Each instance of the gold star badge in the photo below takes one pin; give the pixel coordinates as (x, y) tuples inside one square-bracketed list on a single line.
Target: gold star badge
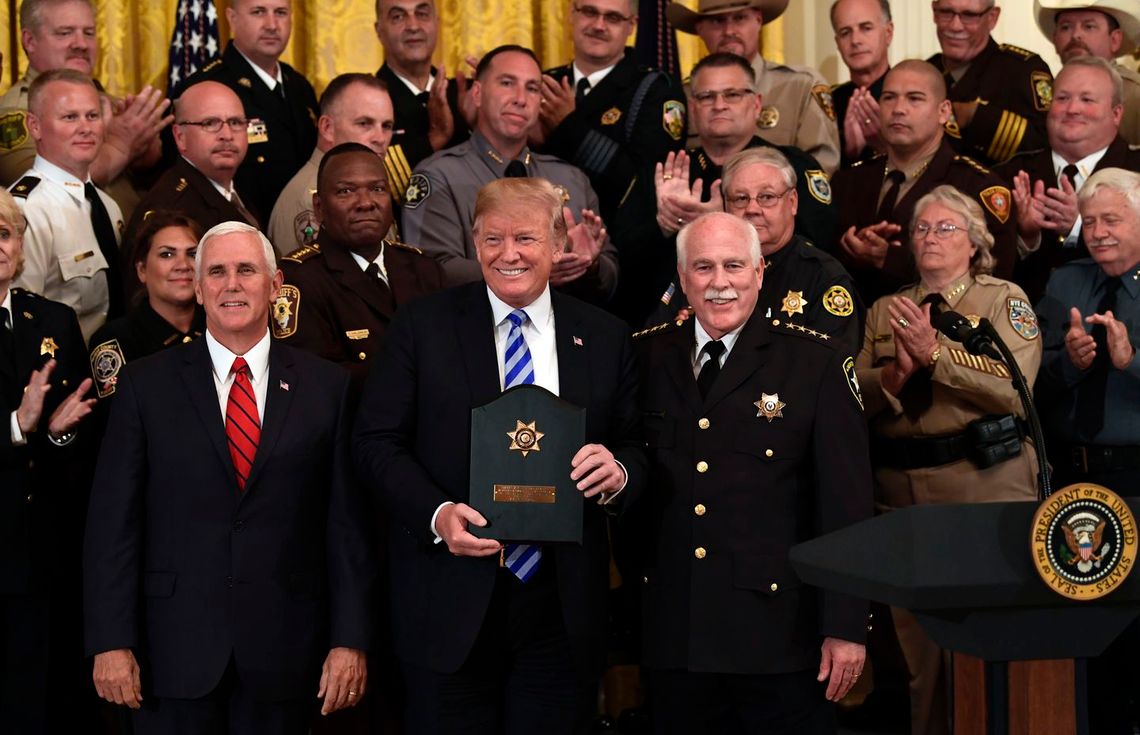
[(793, 303), (48, 347), (770, 406), (525, 437)]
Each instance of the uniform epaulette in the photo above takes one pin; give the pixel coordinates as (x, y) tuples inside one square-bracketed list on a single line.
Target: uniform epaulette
[(303, 253), (212, 65), (404, 246), (872, 159), (25, 292), (1017, 50), (24, 186), (798, 329), (972, 164), (662, 328)]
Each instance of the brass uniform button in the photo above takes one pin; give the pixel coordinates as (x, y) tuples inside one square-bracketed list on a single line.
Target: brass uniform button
[(699, 509), (363, 356), (261, 159), (699, 552), (702, 466), (775, 587), (703, 423), (29, 498), (769, 453)]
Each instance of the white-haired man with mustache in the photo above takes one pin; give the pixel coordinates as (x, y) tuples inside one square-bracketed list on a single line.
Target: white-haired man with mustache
[(210, 133), (769, 414)]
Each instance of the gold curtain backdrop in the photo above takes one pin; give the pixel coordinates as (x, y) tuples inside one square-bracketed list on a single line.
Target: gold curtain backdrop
[(333, 36)]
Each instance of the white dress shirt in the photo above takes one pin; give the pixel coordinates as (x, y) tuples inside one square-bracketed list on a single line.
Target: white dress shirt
[(537, 330), (379, 261), (699, 357), (270, 81), (1085, 168), (223, 361), (594, 79)]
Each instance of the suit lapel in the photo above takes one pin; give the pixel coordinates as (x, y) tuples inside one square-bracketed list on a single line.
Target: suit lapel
[(745, 359), (679, 363), (198, 377), (278, 400), (475, 331), (211, 196), (572, 345)]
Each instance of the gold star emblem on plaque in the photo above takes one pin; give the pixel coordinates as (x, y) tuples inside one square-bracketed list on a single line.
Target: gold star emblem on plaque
[(48, 347), (770, 406), (793, 303), (525, 437)]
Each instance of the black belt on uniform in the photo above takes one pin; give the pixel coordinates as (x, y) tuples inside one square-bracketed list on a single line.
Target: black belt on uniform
[(1100, 458), (986, 442)]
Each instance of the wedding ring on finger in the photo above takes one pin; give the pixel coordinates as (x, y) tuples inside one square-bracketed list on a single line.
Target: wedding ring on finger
[(903, 322), (866, 121), (666, 177), (680, 220)]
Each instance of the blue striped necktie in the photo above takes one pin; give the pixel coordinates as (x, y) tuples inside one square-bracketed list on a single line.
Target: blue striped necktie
[(518, 369)]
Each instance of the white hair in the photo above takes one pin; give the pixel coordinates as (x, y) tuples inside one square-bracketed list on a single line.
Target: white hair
[(741, 225), (229, 228), (1122, 181)]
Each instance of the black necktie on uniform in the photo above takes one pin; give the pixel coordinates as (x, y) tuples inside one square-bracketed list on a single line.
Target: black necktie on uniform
[(280, 90), (1071, 172), (891, 198), (516, 169), (1091, 392), (582, 89), (382, 287), (105, 236), (711, 368)]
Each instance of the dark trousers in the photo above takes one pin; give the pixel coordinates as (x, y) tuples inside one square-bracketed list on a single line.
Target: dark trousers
[(688, 703), (520, 677), (228, 710)]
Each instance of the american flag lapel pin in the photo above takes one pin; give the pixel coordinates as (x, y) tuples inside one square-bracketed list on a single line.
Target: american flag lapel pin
[(577, 341), (283, 385)]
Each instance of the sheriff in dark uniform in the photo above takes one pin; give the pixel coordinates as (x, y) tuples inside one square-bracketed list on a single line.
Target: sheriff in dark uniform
[(341, 294), (757, 442), (41, 475), (279, 102), (1000, 92)]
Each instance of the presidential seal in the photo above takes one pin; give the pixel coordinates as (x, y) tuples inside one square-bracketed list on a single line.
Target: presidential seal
[(525, 438), (1083, 541)]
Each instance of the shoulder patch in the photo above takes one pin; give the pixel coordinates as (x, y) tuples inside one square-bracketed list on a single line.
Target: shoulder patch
[(1017, 50), (303, 253), (404, 246), (1042, 84), (419, 189), (1022, 319), (106, 361), (305, 226), (24, 186), (821, 93), (673, 119), (837, 301), (852, 379), (285, 311), (996, 200), (13, 129), (819, 185)]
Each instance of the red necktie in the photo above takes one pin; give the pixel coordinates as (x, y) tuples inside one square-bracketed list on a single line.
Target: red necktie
[(243, 428)]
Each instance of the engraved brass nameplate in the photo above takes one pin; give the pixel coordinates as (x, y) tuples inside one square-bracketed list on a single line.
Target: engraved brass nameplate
[(524, 494)]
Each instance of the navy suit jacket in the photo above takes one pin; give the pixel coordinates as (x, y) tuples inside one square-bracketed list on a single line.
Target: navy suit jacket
[(187, 570), (411, 446)]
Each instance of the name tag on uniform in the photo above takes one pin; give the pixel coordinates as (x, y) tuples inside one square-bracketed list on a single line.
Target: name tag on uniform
[(357, 334), (257, 131), (84, 256)]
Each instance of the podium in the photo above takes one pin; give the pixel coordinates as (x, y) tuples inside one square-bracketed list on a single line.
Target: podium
[(967, 574)]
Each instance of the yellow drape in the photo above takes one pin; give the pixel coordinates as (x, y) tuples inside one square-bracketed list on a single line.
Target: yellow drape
[(334, 36)]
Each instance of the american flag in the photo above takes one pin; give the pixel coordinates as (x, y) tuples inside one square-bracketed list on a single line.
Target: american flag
[(195, 40), (656, 41)]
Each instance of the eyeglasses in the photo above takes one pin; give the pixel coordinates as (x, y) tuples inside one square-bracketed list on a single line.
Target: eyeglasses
[(945, 16), (765, 200), (942, 230), (731, 96), (214, 124), (611, 18)]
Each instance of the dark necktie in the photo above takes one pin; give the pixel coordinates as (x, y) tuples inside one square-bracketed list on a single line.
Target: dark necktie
[(711, 368), (1071, 172), (240, 207), (582, 89), (243, 426), (1091, 393), (280, 90), (423, 98), (516, 169), (382, 288), (105, 236), (891, 198)]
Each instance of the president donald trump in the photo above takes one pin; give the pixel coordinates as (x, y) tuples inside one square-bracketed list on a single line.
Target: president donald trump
[(226, 569), (498, 639)]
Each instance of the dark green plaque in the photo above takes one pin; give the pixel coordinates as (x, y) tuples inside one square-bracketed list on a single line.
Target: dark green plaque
[(521, 446)]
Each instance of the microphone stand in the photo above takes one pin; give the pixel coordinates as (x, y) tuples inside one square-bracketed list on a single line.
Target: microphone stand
[(1044, 483)]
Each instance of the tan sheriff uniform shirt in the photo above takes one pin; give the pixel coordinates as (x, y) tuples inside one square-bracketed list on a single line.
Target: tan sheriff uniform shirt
[(964, 388), (1130, 123), (17, 149)]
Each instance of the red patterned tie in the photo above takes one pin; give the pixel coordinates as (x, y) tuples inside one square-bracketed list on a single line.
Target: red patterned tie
[(243, 428)]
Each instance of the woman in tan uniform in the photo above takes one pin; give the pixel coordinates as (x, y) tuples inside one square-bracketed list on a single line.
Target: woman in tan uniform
[(946, 426)]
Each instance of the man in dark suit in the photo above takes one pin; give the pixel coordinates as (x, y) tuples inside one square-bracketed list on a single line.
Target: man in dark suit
[(201, 184), (279, 102), (1083, 125), (342, 292), (225, 555), (43, 381), (768, 414), (489, 646)]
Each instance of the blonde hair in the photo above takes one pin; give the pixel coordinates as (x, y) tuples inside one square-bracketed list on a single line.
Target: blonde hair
[(522, 193)]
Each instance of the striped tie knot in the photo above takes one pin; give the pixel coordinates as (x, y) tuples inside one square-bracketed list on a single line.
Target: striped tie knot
[(517, 318), (240, 366)]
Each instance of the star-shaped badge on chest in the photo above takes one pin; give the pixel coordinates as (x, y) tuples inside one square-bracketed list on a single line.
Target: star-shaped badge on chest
[(793, 303), (525, 437), (770, 406)]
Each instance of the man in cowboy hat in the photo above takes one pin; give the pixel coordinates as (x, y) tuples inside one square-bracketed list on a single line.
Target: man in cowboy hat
[(797, 101), (1104, 28)]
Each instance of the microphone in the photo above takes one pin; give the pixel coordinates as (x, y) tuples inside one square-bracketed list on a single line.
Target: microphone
[(958, 328)]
